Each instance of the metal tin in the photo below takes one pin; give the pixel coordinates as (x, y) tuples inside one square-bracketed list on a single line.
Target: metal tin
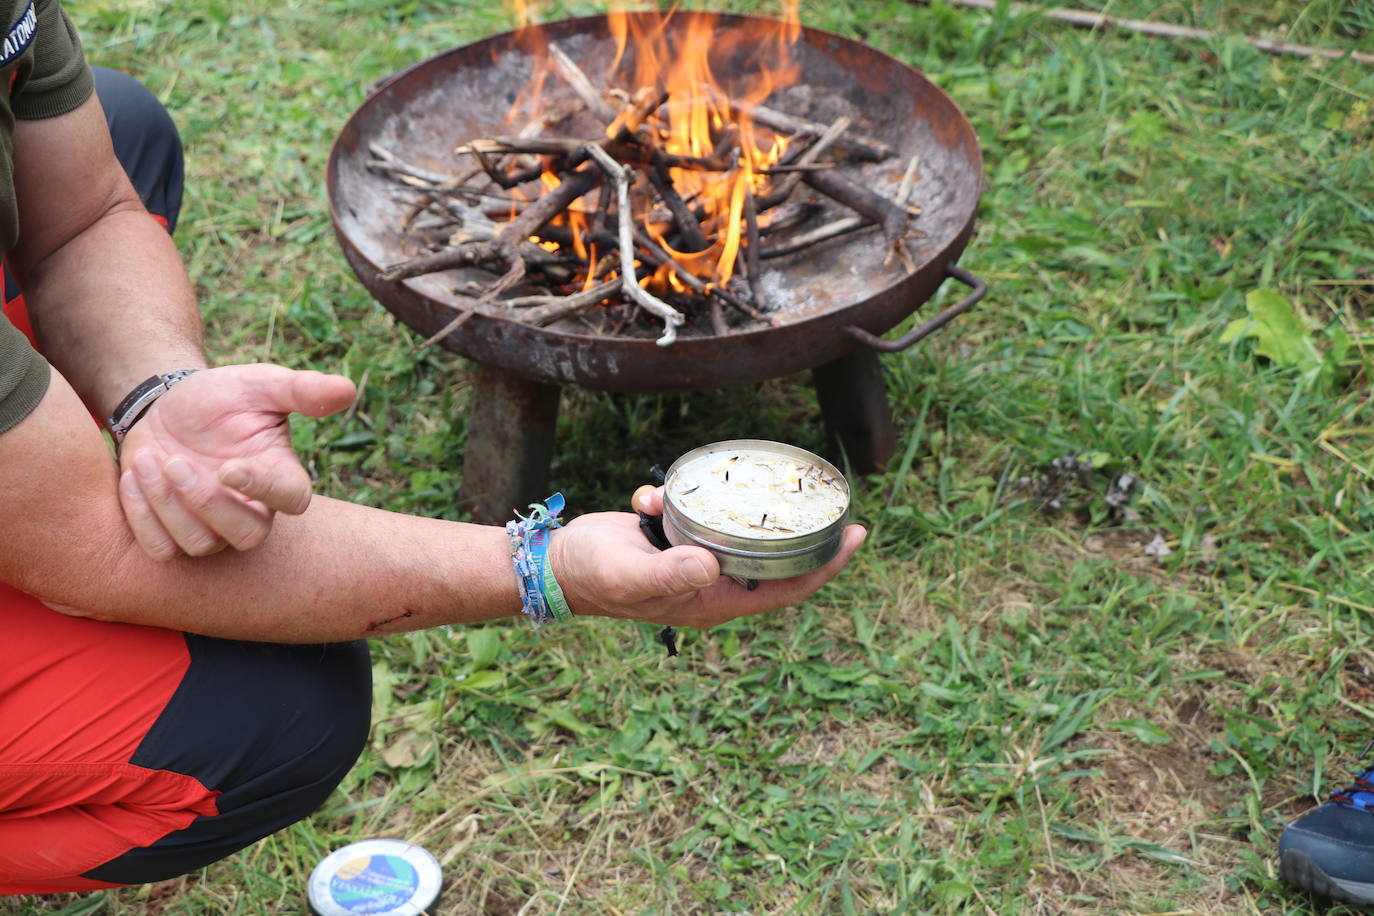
[(380, 877), (751, 557)]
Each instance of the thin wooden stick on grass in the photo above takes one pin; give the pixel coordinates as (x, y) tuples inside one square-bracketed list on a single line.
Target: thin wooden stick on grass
[(1089, 20)]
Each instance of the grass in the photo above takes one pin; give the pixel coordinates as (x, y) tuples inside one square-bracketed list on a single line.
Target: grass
[(1027, 695)]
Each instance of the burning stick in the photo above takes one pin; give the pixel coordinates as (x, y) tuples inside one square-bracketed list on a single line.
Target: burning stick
[(751, 244), (603, 206), (692, 237), (863, 147), (595, 101), (507, 181), (672, 318), (574, 149), (657, 256), (651, 253)]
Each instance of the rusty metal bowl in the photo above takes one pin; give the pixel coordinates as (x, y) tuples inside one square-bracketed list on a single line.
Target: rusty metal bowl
[(829, 299)]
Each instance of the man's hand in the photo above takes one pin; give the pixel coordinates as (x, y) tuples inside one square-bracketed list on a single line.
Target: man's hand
[(211, 461), (606, 567)]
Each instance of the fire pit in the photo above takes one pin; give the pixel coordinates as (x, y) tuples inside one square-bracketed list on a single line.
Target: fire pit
[(824, 305)]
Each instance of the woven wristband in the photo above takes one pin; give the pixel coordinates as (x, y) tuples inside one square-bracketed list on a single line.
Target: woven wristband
[(553, 595), (529, 555)]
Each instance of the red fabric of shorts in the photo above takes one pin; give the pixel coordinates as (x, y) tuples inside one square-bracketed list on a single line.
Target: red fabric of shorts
[(76, 698)]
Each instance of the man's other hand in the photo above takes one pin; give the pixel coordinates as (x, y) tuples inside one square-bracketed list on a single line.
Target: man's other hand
[(211, 462), (606, 567)]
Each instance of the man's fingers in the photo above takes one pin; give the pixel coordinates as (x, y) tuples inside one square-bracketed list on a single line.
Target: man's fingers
[(799, 588), (174, 497), (728, 599), (151, 536), (218, 512), (283, 486)]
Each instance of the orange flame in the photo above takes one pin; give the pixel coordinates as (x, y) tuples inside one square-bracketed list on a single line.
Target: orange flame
[(711, 77)]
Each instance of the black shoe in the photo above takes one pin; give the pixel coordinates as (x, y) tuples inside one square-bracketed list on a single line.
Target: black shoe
[(1330, 850)]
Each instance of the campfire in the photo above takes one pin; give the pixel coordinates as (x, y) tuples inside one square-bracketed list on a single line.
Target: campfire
[(647, 197)]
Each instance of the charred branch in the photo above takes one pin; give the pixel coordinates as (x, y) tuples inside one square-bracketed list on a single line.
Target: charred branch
[(503, 246), (579, 83), (751, 245), (802, 241), (874, 207), (693, 239), (503, 179), (656, 256), (811, 155), (864, 147)]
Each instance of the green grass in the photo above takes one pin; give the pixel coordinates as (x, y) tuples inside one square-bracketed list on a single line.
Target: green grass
[(1007, 704)]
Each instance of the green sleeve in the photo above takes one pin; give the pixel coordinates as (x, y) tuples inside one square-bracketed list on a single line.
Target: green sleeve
[(24, 376), (60, 80)]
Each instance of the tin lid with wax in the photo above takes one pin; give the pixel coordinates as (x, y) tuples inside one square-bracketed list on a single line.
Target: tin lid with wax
[(768, 510), (378, 877)]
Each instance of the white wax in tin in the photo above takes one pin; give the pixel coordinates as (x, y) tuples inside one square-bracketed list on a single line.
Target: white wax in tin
[(757, 494)]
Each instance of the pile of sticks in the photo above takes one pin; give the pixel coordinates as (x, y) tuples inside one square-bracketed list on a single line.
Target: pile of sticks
[(483, 218)]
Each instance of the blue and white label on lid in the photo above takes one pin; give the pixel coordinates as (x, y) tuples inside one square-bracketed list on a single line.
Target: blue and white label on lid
[(375, 877)]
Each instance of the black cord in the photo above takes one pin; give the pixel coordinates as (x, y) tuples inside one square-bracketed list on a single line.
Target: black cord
[(652, 526), (668, 636)]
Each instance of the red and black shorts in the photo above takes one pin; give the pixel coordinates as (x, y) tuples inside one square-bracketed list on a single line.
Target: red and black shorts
[(131, 754)]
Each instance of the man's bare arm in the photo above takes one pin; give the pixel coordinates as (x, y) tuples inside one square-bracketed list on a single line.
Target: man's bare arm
[(111, 306), (338, 571), (109, 298)]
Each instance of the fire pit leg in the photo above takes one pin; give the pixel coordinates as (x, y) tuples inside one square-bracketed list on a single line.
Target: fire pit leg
[(853, 399), (511, 424)]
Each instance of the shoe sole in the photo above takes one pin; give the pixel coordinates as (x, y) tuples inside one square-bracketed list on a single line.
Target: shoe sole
[(1301, 870)]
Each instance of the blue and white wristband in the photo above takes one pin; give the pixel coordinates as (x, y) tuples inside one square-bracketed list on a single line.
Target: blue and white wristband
[(541, 599)]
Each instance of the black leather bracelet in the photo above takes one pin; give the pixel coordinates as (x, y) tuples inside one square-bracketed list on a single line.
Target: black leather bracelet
[(136, 404)]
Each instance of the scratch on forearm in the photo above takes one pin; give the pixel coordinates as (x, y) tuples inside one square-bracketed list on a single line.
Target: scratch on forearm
[(378, 624)]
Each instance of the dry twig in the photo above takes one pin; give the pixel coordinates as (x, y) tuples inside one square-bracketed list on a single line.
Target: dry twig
[(1163, 29), (672, 318)]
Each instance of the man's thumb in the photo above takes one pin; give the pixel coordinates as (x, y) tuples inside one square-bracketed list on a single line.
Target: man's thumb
[(318, 395), (696, 572)]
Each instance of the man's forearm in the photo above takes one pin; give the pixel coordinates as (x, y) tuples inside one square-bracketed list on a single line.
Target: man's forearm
[(113, 307), (338, 571)]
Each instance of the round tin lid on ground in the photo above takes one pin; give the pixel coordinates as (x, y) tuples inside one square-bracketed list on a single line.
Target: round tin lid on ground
[(377, 877)]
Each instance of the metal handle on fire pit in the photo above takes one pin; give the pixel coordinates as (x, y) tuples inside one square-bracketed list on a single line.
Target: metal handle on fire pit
[(980, 289)]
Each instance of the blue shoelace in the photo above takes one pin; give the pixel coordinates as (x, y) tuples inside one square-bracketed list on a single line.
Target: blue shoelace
[(1359, 794)]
